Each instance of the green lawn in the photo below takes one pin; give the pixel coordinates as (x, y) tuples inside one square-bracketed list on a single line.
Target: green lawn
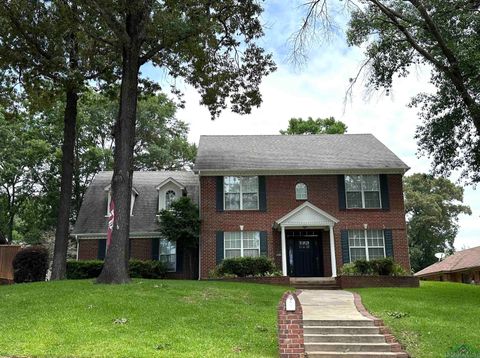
[(439, 315), (164, 319)]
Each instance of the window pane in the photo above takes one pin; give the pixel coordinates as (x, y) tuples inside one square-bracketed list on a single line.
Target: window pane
[(356, 238), (249, 184), (375, 238), (375, 253), (232, 201), (370, 183), (167, 247), (231, 184), (232, 240), (232, 253), (357, 254), (372, 199), (169, 198), (251, 240), (353, 183), (251, 253), (354, 199), (250, 201), (301, 191)]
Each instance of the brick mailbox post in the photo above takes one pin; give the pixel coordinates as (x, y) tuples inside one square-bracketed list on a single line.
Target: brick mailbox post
[(290, 327)]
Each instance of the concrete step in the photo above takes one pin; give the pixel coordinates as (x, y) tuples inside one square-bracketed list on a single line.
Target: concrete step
[(343, 323), (356, 355), (344, 338), (340, 330), (347, 347), (312, 279)]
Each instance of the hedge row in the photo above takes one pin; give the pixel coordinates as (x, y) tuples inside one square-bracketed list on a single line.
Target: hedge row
[(381, 267), (245, 267), (77, 270)]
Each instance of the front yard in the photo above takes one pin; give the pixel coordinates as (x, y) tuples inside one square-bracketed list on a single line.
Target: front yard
[(430, 320), (148, 318)]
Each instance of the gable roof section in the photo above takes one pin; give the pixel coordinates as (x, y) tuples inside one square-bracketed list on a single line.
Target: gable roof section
[(91, 218), (459, 261), (328, 153), (307, 214)]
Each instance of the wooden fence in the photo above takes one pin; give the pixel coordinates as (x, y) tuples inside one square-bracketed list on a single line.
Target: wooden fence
[(7, 253)]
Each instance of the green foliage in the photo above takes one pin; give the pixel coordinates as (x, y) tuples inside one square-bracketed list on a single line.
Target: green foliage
[(432, 206), (30, 264), (246, 266), (78, 270), (181, 222), (398, 36), (315, 126), (382, 267)]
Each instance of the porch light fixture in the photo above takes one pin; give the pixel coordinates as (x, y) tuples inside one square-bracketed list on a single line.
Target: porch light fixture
[(241, 227), (365, 226)]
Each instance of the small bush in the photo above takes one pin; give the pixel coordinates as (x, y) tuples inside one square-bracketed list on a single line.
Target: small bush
[(246, 266), (381, 267), (30, 264), (77, 270)]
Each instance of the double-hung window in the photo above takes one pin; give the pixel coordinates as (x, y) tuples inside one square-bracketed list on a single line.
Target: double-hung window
[(241, 244), (366, 244), (168, 254), (240, 193), (362, 191)]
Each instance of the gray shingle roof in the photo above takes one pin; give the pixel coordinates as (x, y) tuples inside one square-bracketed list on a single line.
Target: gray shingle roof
[(91, 218), (327, 152)]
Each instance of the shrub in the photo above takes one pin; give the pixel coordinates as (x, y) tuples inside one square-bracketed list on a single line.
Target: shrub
[(382, 267), (77, 270), (30, 264), (246, 266)]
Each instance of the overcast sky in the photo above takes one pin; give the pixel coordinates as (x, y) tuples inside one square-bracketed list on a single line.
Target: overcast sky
[(318, 90)]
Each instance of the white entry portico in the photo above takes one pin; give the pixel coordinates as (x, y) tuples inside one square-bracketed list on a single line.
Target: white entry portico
[(309, 216)]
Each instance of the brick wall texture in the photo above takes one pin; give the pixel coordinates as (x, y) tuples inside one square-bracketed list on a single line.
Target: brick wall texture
[(290, 329), (323, 193)]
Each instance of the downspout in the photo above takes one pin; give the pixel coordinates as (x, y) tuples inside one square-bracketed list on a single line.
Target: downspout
[(78, 245), (199, 234)]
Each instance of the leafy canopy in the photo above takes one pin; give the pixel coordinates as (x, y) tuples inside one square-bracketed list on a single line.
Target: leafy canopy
[(432, 206), (315, 126)]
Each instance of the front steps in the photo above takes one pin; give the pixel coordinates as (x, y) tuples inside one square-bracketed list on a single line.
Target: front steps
[(346, 338), (314, 283)]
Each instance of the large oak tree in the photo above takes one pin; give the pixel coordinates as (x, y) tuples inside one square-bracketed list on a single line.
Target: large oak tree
[(209, 44)]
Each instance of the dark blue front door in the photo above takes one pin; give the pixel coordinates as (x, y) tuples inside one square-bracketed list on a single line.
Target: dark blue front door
[(304, 253)]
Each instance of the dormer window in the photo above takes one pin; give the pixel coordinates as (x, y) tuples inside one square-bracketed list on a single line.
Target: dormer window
[(301, 192), (170, 197), (109, 199)]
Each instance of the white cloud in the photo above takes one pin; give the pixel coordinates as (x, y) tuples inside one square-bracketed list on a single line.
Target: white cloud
[(318, 90)]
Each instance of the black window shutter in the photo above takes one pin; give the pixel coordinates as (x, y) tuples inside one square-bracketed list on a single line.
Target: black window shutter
[(155, 249), (179, 256), (219, 193), (219, 247), (102, 245), (262, 194), (263, 243), (384, 192), (342, 203), (345, 246), (387, 234)]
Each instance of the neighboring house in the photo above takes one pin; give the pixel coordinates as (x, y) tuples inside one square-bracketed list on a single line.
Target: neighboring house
[(152, 192), (463, 266), (311, 203)]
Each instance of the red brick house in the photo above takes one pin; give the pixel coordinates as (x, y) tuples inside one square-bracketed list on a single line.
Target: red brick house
[(311, 203), (462, 266)]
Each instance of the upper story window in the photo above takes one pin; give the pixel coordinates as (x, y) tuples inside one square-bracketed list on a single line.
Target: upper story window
[(170, 197), (109, 200), (363, 191), (301, 192), (240, 193), (366, 244)]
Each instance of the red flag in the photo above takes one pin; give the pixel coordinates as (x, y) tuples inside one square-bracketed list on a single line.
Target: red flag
[(111, 220)]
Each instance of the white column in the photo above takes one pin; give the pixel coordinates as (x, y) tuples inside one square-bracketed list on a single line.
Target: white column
[(332, 253), (284, 252)]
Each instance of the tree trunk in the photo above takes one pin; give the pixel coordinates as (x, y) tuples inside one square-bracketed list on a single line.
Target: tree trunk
[(63, 218), (115, 268)]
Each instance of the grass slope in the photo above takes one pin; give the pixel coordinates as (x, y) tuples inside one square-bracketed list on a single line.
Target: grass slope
[(165, 319), (440, 315)]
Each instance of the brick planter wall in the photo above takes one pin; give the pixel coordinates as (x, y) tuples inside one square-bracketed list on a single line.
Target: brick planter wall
[(290, 329), (377, 281), (278, 280)]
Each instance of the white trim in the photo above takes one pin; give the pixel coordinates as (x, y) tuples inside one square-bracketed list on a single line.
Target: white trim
[(280, 171), (241, 243), (332, 253), (306, 204), (78, 246), (284, 253), (170, 180), (241, 193), (362, 192)]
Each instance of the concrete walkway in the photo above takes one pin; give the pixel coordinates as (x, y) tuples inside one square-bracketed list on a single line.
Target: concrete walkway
[(329, 305)]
